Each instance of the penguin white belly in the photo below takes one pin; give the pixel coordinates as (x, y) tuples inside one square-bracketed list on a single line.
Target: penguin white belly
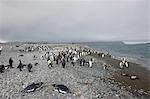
[(61, 91), (6, 67), (30, 90)]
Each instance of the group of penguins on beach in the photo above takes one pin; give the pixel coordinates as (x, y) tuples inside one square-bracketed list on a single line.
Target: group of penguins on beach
[(64, 57), (20, 66), (34, 86), (73, 56)]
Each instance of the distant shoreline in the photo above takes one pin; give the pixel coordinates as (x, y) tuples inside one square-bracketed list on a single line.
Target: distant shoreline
[(78, 42), (136, 53), (134, 69)]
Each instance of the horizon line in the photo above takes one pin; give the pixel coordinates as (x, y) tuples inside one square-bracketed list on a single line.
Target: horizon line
[(125, 42)]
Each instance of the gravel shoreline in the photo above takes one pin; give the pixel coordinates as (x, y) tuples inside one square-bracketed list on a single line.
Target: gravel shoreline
[(84, 82)]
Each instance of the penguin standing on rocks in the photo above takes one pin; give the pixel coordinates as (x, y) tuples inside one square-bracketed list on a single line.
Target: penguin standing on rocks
[(1, 49), (74, 60), (33, 87), (103, 55), (63, 63), (84, 62), (2, 68), (57, 60), (67, 57), (20, 66), (50, 64), (123, 63), (90, 63), (30, 67), (81, 62), (10, 62), (61, 89), (105, 66)]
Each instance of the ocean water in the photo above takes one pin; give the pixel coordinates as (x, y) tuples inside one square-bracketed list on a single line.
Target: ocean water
[(139, 53)]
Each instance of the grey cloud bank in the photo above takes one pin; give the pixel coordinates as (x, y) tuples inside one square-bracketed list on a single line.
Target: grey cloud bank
[(74, 20)]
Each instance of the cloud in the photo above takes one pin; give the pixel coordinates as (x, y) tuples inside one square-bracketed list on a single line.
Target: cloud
[(74, 20)]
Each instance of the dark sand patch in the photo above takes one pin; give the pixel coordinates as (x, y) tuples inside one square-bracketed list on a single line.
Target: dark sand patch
[(140, 86)]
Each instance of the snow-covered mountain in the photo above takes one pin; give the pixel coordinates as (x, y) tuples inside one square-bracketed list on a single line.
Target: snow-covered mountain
[(140, 42)]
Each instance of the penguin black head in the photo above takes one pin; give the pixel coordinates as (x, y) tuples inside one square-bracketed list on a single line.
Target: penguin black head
[(54, 85), (41, 83)]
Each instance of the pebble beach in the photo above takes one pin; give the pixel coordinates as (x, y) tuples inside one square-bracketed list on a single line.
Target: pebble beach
[(96, 82)]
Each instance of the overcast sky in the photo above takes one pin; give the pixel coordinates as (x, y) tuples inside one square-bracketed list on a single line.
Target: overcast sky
[(74, 20)]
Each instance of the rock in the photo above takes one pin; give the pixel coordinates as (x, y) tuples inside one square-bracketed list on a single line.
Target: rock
[(35, 64), (141, 91), (123, 74), (21, 55), (133, 77), (117, 95)]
